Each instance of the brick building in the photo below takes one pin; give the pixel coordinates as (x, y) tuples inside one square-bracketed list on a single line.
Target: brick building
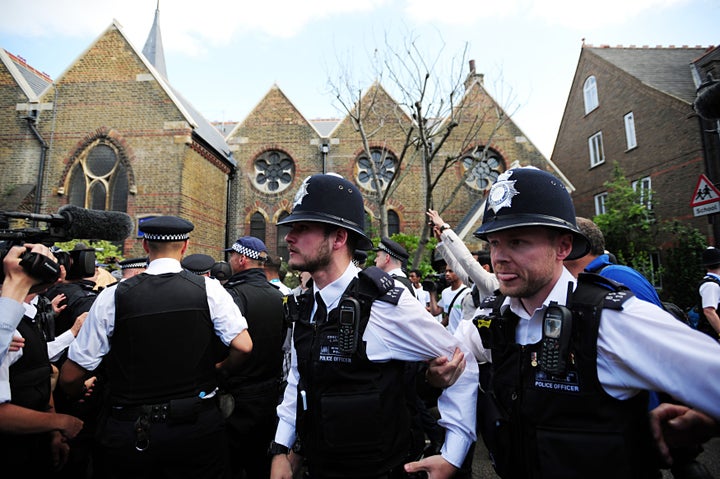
[(634, 106), (111, 133)]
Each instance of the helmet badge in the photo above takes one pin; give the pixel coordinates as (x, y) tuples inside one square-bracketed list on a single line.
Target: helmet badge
[(502, 192), (301, 193)]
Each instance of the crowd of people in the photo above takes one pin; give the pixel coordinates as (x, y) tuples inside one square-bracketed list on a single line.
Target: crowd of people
[(563, 362)]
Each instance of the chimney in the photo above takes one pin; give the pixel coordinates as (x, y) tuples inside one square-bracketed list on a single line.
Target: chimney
[(473, 76)]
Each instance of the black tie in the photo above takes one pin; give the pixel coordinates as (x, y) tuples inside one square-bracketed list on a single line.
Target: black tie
[(321, 311)]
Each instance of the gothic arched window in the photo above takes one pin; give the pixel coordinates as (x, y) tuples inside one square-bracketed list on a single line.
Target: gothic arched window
[(257, 226), (99, 179), (393, 222), (282, 230)]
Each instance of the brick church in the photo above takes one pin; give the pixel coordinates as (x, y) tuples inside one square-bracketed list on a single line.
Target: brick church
[(111, 133)]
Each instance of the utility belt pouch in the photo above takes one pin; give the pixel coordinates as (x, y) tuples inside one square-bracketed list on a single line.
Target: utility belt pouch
[(183, 411)]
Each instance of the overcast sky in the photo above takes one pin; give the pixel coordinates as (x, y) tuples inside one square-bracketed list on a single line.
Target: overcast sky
[(224, 56)]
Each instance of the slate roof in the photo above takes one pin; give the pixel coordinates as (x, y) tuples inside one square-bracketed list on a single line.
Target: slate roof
[(27, 77), (666, 69)]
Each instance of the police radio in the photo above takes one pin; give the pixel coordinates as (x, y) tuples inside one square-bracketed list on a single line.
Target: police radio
[(348, 325), (557, 328)]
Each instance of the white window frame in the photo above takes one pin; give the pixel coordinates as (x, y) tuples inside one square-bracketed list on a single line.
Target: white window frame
[(597, 152), (600, 201), (645, 185), (630, 131), (655, 278), (590, 94)]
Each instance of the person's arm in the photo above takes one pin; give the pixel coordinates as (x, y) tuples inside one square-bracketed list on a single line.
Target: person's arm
[(644, 348), (460, 258), (15, 287), (62, 342), (674, 425), (16, 419), (11, 313), (713, 318), (434, 308), (285, 465), (72, 378), (240, 348)]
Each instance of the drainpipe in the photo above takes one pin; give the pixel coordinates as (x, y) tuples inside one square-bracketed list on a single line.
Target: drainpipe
[(32, 120), (228, 239), (324, 149)]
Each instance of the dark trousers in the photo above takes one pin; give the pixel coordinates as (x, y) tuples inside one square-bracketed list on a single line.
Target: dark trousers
[(250, 429), (187, 450)]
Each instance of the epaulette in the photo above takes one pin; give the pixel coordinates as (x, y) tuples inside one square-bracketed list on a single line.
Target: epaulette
[(615, 294), (378, 284), (488, 302)]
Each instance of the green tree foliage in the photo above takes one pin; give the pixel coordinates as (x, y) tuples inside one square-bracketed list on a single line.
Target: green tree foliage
[(682, 265), (631, 231), (410, 243), (105, 251), (628, 225)]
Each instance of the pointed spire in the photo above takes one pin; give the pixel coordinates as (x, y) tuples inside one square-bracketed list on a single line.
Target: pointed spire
[(153, 49)]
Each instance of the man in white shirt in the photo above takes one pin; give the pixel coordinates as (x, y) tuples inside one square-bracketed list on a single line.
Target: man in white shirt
[(450, 303)]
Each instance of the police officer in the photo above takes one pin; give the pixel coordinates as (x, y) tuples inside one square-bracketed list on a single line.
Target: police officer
[(345, 402), (156, 333), (198, 263), (570, 378), (255, 386), (709, 291), (132, 266), (391, 257)]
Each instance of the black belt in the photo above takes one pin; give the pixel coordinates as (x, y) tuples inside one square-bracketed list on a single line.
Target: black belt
[(174, 410)]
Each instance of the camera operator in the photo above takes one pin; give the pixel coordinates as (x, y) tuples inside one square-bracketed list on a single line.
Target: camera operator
[(32, 436), (15, 287), (78, 289)]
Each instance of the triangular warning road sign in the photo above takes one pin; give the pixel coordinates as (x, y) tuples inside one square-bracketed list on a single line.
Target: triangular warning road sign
[(705, 192)]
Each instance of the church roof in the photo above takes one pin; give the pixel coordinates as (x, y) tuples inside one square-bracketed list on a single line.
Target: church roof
[(666, 69), (30, 80)]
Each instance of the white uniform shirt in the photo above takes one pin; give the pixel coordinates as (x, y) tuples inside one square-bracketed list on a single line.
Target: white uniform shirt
[(93, 340), (641, 347), (11, 313), (406, 332)]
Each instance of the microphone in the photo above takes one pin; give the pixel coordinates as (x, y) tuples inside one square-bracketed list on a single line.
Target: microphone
[(81, 223)]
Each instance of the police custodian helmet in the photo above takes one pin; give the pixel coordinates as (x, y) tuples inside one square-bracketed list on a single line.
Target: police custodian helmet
[(531, 197), (330, 198)]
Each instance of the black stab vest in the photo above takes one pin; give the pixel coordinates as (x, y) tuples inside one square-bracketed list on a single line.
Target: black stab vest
[(566, 427), (352, 417), (30, 388), (164, 345)]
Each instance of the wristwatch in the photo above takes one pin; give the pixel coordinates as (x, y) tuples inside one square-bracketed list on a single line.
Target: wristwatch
[(277, 448), (444, 227)]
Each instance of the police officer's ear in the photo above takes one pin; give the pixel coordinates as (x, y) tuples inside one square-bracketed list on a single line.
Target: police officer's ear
[(564, 244), (340, 238)]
